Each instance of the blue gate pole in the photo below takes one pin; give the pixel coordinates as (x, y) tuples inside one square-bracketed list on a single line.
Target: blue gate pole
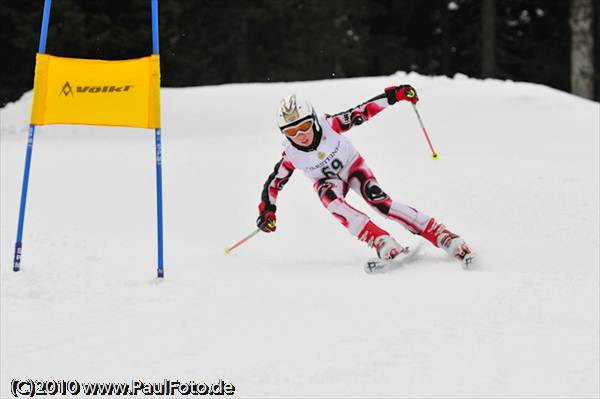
[(159, 212), (19, 243), (155, 27), (157, 137), (24, 187), (45, 22)]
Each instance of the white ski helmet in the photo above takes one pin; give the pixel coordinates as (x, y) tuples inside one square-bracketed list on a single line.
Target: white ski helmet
[(293, 110)]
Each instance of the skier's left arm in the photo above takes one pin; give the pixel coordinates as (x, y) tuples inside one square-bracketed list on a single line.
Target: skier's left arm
[(344, 121)]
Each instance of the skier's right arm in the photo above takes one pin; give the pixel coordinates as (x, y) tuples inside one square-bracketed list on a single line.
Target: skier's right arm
[(281, 174)]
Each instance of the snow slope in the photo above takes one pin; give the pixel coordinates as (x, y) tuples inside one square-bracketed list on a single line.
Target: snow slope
[(292, 313)]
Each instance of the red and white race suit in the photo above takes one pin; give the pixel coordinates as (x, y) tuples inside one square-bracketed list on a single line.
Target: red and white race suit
[(334, 165)]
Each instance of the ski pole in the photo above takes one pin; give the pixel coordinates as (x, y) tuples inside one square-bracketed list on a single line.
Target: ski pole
[(240, 242), (434, 155)]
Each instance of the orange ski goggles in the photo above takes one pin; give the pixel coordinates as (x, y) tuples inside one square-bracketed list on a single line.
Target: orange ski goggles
[(294, 131)]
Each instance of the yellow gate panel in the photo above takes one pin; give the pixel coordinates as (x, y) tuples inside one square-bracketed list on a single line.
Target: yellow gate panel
[(96, 92)]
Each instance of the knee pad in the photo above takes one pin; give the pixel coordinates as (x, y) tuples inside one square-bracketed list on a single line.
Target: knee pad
[(373, 193)]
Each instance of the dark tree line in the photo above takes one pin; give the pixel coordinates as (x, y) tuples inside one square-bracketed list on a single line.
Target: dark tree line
[(223, 41)]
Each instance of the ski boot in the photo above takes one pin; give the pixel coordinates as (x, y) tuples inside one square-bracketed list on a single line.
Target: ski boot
[(387, 247), (455, 246)]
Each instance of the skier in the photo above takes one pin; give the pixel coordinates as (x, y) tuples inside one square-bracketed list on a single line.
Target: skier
[(317, 146)]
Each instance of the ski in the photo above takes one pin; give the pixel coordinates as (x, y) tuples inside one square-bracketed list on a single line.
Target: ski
[(467, 261), (465, 256)]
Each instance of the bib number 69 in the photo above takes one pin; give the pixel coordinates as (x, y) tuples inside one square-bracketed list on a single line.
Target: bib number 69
[(332, 170)]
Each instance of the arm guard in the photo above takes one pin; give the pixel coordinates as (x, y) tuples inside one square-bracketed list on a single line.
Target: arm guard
[(344, 121), (281, 174)]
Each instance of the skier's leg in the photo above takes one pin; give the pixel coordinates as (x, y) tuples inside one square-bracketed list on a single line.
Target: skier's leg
[(331, 193), (364, 183)]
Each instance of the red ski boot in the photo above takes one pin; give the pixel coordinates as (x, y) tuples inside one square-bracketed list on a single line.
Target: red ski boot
[(387, 248), (455, 246)]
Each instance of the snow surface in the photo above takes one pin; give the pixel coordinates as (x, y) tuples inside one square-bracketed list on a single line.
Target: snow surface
[(292, 313)]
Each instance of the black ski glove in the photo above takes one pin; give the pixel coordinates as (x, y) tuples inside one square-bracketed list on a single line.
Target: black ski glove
[(401, 93), (266, 221)]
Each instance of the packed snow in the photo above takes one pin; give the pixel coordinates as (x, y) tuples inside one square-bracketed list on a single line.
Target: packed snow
[(293, 314)]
